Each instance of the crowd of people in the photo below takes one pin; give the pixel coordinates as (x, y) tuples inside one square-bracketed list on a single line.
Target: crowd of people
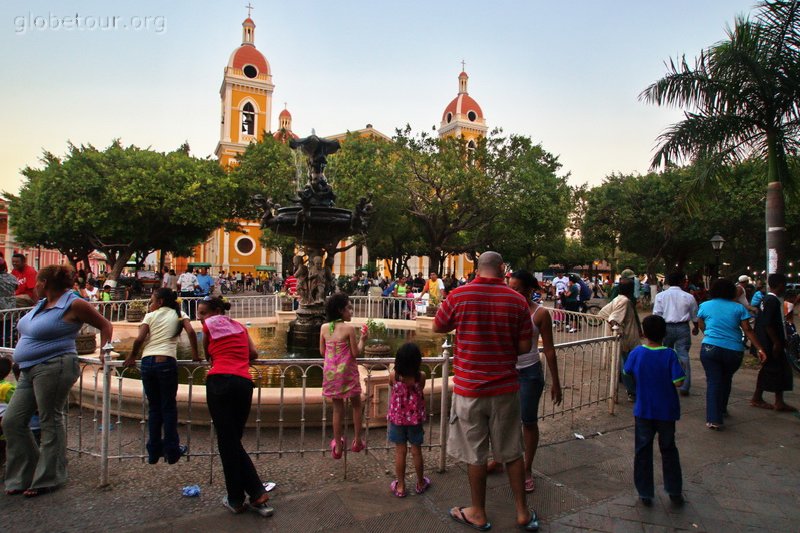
[(504, 339)]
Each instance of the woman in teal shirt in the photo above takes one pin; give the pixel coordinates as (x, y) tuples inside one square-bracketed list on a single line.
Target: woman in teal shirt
[(723, 320)]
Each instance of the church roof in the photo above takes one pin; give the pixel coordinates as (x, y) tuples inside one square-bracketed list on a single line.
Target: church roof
[(285, 113), (462, 104), (248, 55)]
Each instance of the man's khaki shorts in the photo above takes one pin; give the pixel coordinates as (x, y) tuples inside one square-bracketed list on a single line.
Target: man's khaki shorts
[(477, 422)]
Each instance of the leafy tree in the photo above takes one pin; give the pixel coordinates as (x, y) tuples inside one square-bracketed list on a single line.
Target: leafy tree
[(367, 166), (121, 201), (532, 202), (271, 169), (741, 97)]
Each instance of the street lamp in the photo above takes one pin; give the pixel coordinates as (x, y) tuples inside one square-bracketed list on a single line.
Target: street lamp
[(716, 243)]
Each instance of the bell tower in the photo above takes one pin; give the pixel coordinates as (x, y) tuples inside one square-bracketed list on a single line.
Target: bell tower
[(246, 98)]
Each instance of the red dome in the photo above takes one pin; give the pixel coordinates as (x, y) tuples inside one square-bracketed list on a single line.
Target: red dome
[(463, 104), (248, 55), (285, 114)]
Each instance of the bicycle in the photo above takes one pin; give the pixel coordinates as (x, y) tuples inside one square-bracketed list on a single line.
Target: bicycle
[(226, 287)]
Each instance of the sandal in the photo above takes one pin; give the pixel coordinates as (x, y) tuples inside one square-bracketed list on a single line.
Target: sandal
[(235, 510), (426, 482), (334, 453), (397, 492), (714, 427), (14, 492), (32, 493), (358, 445), (461, 518), (530, 486)]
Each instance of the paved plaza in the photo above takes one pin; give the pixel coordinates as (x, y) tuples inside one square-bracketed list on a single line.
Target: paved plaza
[(742, 479)]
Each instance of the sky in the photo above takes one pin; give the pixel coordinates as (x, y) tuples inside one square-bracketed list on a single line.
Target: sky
[(566, 74)]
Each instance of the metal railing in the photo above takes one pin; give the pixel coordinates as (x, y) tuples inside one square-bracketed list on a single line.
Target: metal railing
[(378, 307), (116, 405), (242, 307), (103, 390)]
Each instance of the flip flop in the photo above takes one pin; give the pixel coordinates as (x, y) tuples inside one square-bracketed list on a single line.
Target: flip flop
[(530, 486), (533, 523), (269, 485), (426, 482), (32, 493), (762, 405), (396, 491), (462, 519), (334, 453), (14, 492), (357, 446)]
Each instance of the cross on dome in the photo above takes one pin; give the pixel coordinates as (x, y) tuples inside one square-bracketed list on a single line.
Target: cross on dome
[(249, 7)]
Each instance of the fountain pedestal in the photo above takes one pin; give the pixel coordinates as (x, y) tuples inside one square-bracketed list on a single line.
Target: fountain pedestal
[(318, 227)]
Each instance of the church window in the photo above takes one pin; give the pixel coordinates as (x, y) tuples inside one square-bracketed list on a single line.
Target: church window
[(471, 145), (449, 117), (245, 245), (248, 119), (250, 71), (472, 116)]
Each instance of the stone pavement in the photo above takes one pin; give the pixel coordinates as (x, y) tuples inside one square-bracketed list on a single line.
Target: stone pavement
[(744, 478)]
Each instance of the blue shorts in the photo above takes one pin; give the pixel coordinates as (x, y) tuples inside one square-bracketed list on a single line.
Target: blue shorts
[(531, 385), (414, 435)]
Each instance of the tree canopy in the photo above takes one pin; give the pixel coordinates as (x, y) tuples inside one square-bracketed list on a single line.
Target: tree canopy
[(121, 201)]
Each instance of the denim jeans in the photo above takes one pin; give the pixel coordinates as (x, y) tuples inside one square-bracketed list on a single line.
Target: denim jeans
[(720, 365), (229, 398), (44, 387), (160, 382), (646, 430), (627, 380), (679, 338)]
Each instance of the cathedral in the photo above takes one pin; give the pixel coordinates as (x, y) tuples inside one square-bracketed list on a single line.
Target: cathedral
[(246, 115)]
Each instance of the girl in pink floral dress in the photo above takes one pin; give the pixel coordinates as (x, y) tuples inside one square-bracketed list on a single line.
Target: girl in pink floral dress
[(407, 416), (340, 378)]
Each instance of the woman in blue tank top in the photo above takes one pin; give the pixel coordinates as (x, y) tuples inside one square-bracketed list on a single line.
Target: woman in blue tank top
[(48, 360)]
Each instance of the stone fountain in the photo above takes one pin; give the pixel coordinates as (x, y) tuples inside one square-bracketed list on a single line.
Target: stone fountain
[(317, 227)]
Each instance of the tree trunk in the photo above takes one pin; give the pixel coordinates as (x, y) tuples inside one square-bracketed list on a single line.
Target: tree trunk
[(119, 264), (775, 209), (776, 228)]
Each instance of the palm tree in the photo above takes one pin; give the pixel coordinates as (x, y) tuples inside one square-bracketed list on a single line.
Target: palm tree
[(740, 100)]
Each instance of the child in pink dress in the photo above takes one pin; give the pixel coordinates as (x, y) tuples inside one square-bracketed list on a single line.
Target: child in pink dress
[(340, 378), (406, 417)]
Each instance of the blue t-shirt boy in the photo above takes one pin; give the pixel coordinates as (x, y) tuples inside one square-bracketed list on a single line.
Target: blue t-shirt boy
[(656, 371)]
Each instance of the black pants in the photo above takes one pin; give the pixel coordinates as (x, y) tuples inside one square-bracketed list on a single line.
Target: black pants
[(229, 398), (646, 430)]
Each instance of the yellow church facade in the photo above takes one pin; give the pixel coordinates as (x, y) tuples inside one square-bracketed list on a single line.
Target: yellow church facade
[(246, 98)]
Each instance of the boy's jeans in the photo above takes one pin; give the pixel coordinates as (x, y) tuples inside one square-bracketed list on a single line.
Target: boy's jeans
[(646, 430)]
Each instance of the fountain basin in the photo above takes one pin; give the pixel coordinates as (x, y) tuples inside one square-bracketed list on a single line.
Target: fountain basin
[(330, 224)]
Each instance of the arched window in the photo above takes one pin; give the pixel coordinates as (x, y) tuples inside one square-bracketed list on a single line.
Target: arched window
[(471, 145), (248, 119)]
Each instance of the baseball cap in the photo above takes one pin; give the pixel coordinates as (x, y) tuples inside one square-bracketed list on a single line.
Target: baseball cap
[(744, 279), (627, 273)]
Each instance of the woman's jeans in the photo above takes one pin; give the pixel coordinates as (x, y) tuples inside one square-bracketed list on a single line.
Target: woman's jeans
[(646, 430), (720, 365), (44, 387), (160, 382), (229, 398)]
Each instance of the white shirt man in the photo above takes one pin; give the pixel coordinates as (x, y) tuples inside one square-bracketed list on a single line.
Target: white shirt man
[(560, 283), (187, 282), (678, 308)]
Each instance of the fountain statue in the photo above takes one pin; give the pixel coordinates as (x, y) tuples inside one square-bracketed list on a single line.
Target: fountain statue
[(318, 227)]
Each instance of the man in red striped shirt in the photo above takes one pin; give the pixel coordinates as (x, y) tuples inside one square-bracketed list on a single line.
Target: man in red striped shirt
[(493, 327)]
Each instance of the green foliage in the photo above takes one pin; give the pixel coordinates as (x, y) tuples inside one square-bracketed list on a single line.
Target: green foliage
[(741, 100), (121, 200), (376, 330)]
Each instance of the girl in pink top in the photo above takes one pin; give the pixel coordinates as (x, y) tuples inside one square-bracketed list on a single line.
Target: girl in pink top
[(229, 394), (340, 378), (407, 416)]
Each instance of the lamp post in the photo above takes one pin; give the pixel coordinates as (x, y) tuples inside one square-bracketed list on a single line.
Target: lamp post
[(716, 243)]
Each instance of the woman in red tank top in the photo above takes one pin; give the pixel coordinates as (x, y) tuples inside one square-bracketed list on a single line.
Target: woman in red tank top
[(229, 394)]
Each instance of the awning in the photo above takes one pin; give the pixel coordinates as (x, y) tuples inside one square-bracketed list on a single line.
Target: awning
[(199, 265), (266, 268)]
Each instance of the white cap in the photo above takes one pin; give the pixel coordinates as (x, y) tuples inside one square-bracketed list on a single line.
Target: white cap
[(744, 279)]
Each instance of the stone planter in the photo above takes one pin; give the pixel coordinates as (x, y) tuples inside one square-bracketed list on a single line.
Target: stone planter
[(378, 350), (86, 344), (134, 315), (287, 304)]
